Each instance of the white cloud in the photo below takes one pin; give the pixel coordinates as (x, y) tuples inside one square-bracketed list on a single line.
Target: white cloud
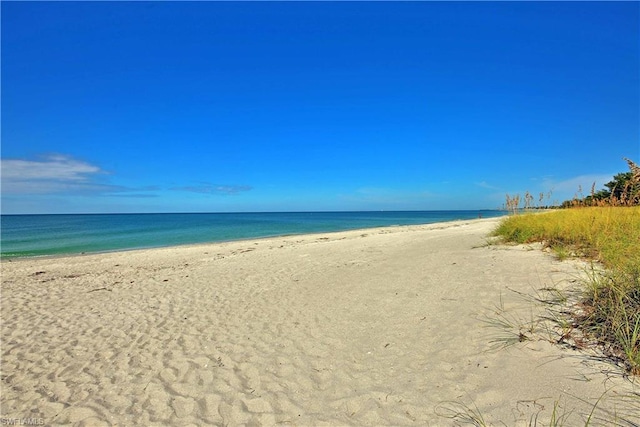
[(56, 167), (59, 174), (573, 185), (53, 174)]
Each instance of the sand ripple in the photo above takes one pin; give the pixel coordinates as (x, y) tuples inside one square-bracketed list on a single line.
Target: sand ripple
[(358, 328)]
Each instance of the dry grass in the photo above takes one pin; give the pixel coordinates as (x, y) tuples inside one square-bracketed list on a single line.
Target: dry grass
[(607, 231), (610, 308)]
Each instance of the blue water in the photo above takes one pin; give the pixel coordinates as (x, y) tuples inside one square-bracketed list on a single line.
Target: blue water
[(37, 235)]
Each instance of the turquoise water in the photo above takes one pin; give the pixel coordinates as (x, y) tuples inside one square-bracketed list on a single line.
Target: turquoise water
[(37, 235)]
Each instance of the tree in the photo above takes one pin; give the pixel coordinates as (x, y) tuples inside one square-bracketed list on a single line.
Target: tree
[(623, 190)]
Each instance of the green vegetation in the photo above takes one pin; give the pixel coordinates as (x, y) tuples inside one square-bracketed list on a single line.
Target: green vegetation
[(610, 235), (624, 414), (610, 309), (624, 190), (604, 227)]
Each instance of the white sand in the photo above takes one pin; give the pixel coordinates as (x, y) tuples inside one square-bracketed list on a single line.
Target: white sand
[(369, 327)]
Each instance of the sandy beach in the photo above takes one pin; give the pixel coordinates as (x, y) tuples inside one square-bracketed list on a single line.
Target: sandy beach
[(390, 326)]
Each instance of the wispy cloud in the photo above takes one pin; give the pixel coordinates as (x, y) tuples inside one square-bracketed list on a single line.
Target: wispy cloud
[(54, 167), (60, 174), (57, 174), (214, 189), (486, 185), (574, 184), (53, 174)]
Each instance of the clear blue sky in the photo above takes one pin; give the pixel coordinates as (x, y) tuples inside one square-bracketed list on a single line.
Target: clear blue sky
[(265, 106)]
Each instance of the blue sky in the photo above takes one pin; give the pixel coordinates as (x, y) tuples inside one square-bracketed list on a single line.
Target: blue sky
[(311, 106)]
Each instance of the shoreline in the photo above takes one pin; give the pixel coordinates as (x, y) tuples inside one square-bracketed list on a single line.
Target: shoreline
[(275, 236), (386, 326)]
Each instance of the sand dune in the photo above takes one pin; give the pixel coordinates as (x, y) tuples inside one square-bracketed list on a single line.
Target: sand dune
[(368, 327)]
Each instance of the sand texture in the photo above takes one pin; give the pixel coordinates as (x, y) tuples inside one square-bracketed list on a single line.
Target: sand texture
[(391, 326)]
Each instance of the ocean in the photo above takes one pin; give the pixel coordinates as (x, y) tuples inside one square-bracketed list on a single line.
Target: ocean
[(40, 235)]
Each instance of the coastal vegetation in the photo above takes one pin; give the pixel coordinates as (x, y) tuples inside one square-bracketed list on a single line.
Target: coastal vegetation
[(603, 227), (623, 190)]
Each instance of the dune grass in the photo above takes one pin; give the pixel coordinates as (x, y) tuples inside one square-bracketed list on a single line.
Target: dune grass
[(610, 308)]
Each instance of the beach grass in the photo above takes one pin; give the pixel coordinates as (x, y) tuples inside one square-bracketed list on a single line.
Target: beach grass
[(609, 235)]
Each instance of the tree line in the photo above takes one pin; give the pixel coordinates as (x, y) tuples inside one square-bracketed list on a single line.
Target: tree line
[(623, 190)]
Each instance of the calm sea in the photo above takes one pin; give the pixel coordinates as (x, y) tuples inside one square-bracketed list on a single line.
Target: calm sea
[(37, 235)]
